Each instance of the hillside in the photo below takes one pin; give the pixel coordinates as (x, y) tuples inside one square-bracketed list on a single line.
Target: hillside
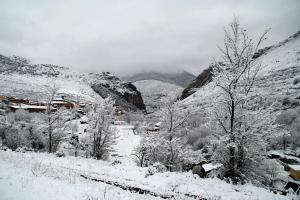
[(181, 78), (153, 92), (20, 78), (277, 83), (280, 62)]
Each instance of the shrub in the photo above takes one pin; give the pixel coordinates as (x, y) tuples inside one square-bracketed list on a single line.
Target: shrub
[(60, 154), (196, 134), (116, 162), (287, 117), (200, 143), (156, 168)]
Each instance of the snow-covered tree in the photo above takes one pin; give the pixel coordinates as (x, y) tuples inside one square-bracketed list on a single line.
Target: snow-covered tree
[(174, 117), (234, 110), (101, 118), (54, 120)]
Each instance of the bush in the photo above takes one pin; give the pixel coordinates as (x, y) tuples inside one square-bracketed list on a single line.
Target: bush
[(60, 154), (156, 168), (16, 138), (200, 143), (116, 162), (24, 149), (196, 134), (287, 117)]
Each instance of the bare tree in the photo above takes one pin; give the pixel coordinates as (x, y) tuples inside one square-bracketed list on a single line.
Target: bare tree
[(55, 119), (235, 77), (100, 120), (174, 117)]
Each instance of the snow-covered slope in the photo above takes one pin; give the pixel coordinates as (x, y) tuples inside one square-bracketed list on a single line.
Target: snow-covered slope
[(20, 78), (280, 67), (153, 91), (43, 176)]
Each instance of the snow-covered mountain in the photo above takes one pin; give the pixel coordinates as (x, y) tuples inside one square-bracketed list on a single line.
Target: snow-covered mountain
[(20, 78), (278, 80), (281, 61), (180, 78), (153, 92)]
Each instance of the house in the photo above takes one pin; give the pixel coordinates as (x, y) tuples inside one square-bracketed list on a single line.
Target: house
[(295, 172), (29, 108), (60, 103)]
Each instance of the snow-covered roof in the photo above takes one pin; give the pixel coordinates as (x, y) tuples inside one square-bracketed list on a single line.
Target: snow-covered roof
[(208, 167), (295, 167), (24, 106), (158, 124)]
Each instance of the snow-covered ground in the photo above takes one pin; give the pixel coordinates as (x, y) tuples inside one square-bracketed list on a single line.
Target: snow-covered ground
[(127, 141), (44, 176)]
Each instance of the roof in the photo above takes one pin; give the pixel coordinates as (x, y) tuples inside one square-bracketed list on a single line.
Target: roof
[(208, 167), (295, 167), (23, 106)]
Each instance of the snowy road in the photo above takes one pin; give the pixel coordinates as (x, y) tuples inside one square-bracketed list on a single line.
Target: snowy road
[(127, 141)]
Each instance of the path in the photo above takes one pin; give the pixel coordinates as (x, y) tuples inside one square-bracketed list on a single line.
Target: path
[(127, 141)]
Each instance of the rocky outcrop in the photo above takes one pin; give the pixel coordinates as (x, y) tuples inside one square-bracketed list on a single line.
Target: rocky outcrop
[(204, 78), (126, 96)]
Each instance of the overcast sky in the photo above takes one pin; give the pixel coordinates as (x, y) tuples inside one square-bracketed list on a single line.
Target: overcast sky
[(127, 36)]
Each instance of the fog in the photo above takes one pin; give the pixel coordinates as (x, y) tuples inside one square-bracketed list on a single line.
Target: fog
[(125, 37)]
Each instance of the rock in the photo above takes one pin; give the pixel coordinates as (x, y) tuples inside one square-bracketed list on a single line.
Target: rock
[(127, 96), (204, 78), (199, 170)]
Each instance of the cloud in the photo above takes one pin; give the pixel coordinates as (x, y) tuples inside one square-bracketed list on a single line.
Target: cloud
[(127, 36)]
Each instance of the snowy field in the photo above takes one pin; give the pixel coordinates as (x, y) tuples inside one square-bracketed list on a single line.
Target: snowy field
[(30, 176)]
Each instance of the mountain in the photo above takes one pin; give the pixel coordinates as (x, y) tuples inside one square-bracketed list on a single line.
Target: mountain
[(283, 57), (20, 78), (181, 78), (153, 92), (277, 82)]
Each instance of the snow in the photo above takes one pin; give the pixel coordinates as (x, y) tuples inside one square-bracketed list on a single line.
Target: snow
[(282, 57), (127, 141), (208, 167), (26, 86), (24, 106), (295, 167), (44, 176)]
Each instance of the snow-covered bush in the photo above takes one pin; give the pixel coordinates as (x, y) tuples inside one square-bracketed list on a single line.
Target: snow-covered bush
[(286, 117), (24, 149), (156, 168), (60, 154), (116, 162), (291, 121)]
